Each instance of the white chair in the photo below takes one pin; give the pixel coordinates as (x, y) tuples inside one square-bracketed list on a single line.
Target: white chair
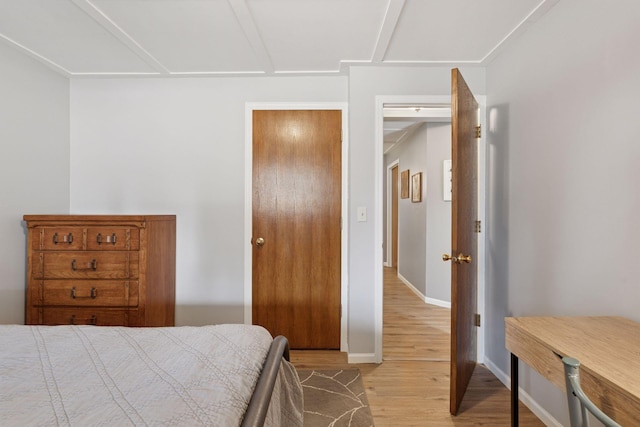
[(579, 403)]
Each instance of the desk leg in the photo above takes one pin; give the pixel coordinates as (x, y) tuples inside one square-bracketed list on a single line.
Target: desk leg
[(514, 390)]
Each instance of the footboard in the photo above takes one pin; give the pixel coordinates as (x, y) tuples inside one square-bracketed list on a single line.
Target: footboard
[(259, 404)]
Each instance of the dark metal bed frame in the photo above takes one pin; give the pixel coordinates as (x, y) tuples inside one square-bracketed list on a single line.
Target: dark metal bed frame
[(259, 404)]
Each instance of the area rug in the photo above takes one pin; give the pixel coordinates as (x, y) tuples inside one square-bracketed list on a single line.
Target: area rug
[(334, 398)]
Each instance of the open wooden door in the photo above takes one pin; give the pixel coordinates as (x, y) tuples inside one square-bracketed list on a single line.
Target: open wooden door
[(464, 253)]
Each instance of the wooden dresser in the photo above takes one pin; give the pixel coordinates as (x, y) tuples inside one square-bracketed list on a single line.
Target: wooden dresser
[(116, 270)]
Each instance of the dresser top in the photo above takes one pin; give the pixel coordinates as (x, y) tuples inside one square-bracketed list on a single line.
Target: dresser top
[(97, 218)]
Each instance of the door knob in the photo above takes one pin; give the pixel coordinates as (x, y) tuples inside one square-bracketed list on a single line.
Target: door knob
[(464, 258), (457, 259), (260, 241), (447, 257)]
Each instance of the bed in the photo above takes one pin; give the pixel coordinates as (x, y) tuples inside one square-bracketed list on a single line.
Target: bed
[(223, 375)]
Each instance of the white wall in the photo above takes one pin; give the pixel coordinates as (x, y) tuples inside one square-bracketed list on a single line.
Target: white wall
[(34, 152), (438, 214), (412, 217), (178, 146), (563, 174), (365, 83)]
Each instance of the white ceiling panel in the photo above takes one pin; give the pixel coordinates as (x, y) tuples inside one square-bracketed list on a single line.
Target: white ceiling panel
[(313, 35), (60, 34), (454, 31), (263, 37), (197, 36)]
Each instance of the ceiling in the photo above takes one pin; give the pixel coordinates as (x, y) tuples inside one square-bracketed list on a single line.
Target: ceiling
[(259, 37), (189, 38)]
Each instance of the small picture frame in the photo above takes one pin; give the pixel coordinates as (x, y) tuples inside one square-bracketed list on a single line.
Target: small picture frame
[(416, 187), (404, 184)]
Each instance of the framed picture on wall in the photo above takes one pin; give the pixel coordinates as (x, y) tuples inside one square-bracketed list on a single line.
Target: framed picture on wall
[(416, 187), (404, 184)]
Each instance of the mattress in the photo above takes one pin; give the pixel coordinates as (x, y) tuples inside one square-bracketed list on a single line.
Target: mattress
[(107, 376)]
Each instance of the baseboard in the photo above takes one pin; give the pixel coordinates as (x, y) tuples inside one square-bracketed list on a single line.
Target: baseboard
[(525, 397), (426, 299), (410, 286), (361, 358), (438, 302)]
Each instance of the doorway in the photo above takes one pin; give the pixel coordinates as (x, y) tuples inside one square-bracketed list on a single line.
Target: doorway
[(380, 171)]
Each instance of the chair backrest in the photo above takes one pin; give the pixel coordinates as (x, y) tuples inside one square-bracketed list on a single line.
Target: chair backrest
[(579, 403)]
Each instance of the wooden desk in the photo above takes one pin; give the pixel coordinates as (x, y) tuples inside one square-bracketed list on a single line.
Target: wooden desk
[(608, 349)]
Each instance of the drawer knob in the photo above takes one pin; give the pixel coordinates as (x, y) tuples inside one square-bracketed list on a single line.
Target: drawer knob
[(108, 239), (65, 239), (93, 295), (93, 266)]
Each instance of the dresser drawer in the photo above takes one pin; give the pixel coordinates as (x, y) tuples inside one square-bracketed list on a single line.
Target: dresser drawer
[(59, 239), (113, 239), (90, 293), (84, 316), (86, 265)]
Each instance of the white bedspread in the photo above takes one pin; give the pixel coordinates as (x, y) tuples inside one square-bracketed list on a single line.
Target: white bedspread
[(115, 376)]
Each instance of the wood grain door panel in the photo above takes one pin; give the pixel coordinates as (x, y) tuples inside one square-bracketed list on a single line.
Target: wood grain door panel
[(297, 212), (464, 120)]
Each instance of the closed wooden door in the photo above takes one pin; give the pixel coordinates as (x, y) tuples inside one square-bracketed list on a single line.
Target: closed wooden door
[(464, 143), (297, 225)]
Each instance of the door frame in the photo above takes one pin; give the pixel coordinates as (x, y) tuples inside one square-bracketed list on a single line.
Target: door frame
[(248, 203), (388, 249), (380, 174)]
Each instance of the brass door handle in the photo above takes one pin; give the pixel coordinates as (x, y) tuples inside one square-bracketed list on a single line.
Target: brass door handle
[(447, 257), (464, 258), (260, 241), (457, 259)]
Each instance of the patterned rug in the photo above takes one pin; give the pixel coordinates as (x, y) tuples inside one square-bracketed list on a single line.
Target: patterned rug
[(334, 398)]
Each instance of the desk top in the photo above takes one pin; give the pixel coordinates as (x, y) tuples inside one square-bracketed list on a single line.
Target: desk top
[(608, 349)]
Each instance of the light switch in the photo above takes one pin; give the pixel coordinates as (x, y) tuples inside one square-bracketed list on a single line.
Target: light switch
[(362, 214)]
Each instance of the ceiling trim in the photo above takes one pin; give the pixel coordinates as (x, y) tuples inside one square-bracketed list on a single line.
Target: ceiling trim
[(543, 7), (54, 66), (388, 28), (248, 25), (105, 22)]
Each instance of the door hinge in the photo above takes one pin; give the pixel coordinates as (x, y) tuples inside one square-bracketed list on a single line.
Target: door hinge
[(478, 227), (479, 131), (477, 320)]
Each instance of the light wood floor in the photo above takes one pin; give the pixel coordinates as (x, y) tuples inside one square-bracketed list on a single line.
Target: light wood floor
[(411, 386)]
